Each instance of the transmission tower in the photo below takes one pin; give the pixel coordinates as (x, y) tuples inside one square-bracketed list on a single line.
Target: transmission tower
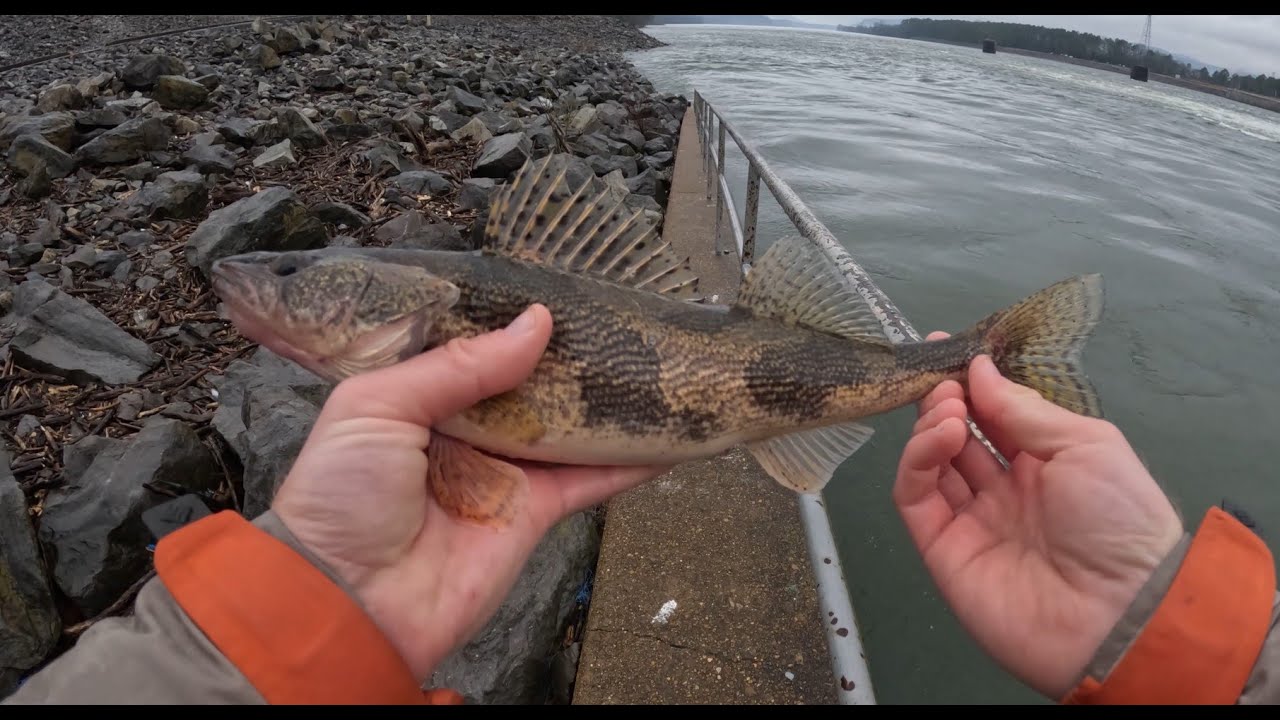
[(1139, 71)]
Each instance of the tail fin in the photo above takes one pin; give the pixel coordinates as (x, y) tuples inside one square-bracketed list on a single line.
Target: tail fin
[(1039, 341)]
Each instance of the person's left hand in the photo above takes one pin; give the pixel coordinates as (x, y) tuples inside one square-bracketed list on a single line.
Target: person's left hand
[(357, 494)]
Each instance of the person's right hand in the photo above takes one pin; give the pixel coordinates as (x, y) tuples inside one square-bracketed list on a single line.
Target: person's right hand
[(1039, 561)]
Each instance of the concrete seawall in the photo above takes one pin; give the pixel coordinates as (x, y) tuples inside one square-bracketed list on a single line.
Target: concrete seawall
[(704, 591)]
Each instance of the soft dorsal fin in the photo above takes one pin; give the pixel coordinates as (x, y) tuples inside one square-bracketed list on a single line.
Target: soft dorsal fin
[(539, 217), (795, 282)]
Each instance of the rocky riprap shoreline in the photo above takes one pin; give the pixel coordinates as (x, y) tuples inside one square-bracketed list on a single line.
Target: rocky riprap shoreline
[(131, 169)]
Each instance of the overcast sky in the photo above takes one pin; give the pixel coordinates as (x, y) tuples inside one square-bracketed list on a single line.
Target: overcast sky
[(1243, 43)]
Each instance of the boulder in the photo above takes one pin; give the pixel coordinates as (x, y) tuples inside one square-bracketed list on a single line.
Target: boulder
[(68, 337), (143, 71), (509, 662), (29, 621), (178, 195), (126, 142), (273, 219), (93, 527)]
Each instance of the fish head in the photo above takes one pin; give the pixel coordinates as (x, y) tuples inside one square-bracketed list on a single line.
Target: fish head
[(336, 315)]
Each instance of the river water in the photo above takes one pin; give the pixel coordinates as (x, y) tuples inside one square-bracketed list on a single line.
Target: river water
[(963, 182)]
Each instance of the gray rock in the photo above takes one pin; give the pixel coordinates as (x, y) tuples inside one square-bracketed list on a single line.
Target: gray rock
[(143, 71), (101, 118), (658, 160), (384, 156), (280, 421), (285, 42), (606, 165), (630, 136), (137, 239), (278, 155), (650, 183), (502, 156), (585, 121), (29, 621), (176, 92), (497, 123), (653, 146), (126, 143), (83, 257), (509, 660), (140, 171), (273, 219), (448, 121), (31, 153), (68, 337), (266, 408), (178, 195), (476, 193), (93, 525), (298, 128), (184, 125), (265, 56), (210, 159), (58, 128), (411, 231), (421, 182), (327, 81), (593, 144), (467, 103), (336, 213), (474, 131), (26, 253), (433, 236), (246, 132), (60, 97)]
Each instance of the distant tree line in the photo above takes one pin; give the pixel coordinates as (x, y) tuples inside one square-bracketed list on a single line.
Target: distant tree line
[(1084, 46)]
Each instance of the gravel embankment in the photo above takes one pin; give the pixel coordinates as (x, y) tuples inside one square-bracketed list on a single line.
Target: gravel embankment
[(129, 170)]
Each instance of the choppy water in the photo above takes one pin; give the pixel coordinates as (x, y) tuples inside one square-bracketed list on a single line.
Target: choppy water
[(963, 182)]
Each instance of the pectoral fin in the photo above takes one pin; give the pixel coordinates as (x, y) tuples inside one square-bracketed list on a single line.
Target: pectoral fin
[(804, 461), (474, 487)]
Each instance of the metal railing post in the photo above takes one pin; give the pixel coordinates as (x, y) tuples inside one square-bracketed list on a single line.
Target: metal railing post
[(753, 210)]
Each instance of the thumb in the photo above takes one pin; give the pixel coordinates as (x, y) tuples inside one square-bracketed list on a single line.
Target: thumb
[(442, 382), (1020, 417)]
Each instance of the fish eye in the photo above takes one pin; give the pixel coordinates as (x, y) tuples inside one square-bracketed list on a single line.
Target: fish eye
[(286, 268)]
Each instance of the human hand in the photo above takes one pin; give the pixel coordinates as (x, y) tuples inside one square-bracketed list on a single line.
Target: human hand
[(357, 494), (1038, 561)]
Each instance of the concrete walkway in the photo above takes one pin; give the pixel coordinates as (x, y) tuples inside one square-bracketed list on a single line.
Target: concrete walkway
[(704, 593)]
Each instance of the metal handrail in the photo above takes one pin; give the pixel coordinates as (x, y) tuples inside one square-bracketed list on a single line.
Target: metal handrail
[(848, 654), (848, 659)]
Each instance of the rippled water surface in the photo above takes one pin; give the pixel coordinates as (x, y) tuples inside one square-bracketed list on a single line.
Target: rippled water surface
[(963, 182)]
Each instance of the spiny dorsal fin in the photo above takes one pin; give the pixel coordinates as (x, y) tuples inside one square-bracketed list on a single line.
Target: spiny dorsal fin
[(539, 217), (795, 282)]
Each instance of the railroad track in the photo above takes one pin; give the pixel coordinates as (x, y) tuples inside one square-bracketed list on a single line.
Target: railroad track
[(165, 33)]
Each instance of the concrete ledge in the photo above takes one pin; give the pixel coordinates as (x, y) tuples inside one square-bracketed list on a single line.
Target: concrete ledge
[(704, 592)]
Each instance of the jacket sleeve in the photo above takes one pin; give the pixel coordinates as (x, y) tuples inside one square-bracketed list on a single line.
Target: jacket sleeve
[(1203, 630), (238, 613)]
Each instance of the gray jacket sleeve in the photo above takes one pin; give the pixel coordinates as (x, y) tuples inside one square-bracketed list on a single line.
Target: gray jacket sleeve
[(157, 655)]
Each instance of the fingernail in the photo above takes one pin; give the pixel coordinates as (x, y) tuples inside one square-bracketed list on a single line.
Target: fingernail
[(524, 324)]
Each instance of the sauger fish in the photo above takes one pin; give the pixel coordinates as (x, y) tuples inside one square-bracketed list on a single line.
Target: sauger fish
[(638, 369)]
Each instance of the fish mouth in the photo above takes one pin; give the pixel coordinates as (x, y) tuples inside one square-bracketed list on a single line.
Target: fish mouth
[(239, 283)]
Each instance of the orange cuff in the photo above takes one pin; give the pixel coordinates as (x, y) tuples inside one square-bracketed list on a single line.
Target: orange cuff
[(295, 635), (1200, 645)]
